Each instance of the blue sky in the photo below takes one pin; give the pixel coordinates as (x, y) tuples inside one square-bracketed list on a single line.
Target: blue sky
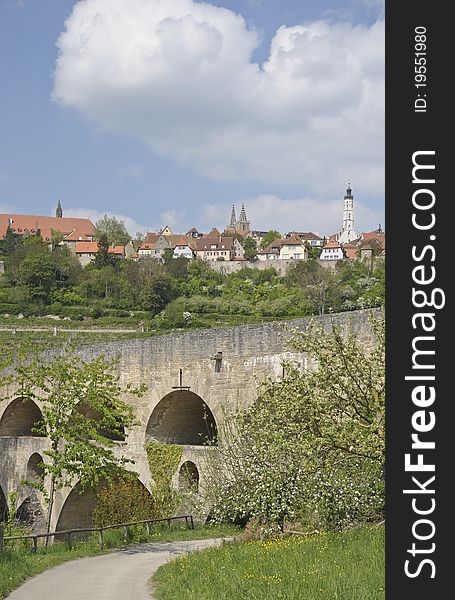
[(168, 112)]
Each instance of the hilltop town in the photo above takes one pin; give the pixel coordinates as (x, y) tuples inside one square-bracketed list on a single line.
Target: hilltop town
[(236, 245), (74, 269)]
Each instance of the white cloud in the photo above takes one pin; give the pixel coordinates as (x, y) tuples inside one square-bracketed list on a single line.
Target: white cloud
[(94, 215), (178, 74), (297, 214)]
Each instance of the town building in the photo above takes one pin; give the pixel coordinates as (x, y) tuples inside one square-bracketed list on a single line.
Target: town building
[(285, 249), (73, 230), (219, 248), (332, 250), (87, 251), (314, 239)]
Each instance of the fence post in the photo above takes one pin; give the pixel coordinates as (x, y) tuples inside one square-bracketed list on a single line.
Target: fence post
[(148, 528), (192, 522), (125, 532), (2, 533), (100, 535)]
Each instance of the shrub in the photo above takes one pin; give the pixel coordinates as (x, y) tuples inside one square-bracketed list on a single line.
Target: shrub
[(123, 501)]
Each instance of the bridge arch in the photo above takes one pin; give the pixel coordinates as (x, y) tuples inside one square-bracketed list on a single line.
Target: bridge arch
[(19, 419), (188, 477), (35, 470), (182, 417), (77, 510)]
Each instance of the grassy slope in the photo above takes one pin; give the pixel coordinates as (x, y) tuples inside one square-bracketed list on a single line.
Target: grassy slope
[(348, 566), (18, 564)]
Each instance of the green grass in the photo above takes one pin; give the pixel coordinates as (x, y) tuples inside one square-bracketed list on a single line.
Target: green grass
[(19, 563), (344, 566)]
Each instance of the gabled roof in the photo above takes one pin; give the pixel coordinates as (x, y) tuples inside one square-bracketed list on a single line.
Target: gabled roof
[(275, 246), (93, 247), (378, 236), (29, 224), (221, 243), (350, 250), (305, 235), (332, 244), (229, 231)]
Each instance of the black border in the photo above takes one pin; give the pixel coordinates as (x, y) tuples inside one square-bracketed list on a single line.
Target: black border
[(406, 133)]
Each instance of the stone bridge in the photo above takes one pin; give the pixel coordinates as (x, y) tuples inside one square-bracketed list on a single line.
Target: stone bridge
[(191, 378)]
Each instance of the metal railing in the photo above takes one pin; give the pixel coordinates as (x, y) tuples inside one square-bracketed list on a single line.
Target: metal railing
[(69, 532)]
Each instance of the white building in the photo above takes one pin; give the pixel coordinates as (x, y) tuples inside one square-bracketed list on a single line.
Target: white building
[(285, 249), (332, 251)]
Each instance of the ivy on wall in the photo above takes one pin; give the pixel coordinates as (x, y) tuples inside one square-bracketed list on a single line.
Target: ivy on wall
[(164, 460)]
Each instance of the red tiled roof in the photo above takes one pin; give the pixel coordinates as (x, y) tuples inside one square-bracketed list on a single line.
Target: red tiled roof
[(241, 232), (374, 235), (28, 224), (332, 244), (205, 243), (92, 248)]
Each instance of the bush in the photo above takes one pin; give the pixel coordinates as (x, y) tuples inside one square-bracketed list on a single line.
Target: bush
[(123, 501)]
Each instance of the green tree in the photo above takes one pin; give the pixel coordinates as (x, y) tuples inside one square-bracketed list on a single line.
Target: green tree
[(250, 249), (270, 237), (313, 251), (83, 413), (104, 257), (113, 229), (56, 238), (156, 293), (10, 242), (312, 444), (37, 275)]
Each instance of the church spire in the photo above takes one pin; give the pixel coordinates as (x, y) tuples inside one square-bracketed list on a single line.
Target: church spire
[(233, 218), (348, 232), (243, 218), (58, 210)]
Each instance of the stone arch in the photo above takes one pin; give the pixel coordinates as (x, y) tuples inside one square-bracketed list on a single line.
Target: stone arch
[(182, 417), (117, 435), (30, 513), (77, 510), (188, 477), (20, 418), (35, 471)]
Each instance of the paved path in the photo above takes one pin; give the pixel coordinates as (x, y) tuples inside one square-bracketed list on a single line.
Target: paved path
[(121, 575)]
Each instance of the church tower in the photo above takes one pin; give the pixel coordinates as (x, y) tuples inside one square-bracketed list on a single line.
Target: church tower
[(58, 210), (348, 233), (233, 218), (243, 224)]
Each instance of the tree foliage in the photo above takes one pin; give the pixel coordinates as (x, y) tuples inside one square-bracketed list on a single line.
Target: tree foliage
[(83, 415), (250, 249), (270, 237), (114, 230), (311, 447)]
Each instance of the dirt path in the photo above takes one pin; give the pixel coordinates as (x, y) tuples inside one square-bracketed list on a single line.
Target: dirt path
[(121, 575)]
